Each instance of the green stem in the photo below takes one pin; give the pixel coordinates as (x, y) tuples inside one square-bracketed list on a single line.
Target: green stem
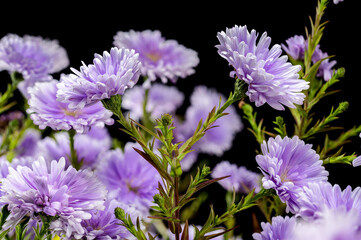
[(146, 119), (73, 158), (4, 98), (176, 203)]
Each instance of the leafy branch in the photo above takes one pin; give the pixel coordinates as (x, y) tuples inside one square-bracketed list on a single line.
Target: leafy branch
[(214, 221)]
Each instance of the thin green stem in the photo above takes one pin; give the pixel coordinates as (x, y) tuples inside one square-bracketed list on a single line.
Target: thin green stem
[(4, 98), (73, 155), (176, 204), (146, 118)]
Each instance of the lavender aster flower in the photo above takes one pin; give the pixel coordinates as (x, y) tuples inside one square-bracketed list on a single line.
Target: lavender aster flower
[(28, 145), (110, 74), (337, 1), (317, 197), (104, 226), (335, 224), (5, 164), (241, 180), (34, 57), (325, 70), (280, 229), (288, 165), (356, 162), (164, 59), (46, 111), (128, 177), (161, 99), (88, 146), (217, 140), (270, 78), (66, 193), (296, 47)]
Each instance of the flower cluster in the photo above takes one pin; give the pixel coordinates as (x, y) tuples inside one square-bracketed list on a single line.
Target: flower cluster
[(296, 47), (64, 172)]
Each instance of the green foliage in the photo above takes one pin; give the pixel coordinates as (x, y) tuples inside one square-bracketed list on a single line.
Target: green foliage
[(5, 97), (255, 128), (280, 126), (127, 222)]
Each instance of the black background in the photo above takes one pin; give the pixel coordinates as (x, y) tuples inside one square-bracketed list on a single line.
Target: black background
[(85, 28)]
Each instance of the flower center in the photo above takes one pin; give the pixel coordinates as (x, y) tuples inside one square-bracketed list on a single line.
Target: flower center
[(284, 177), (72, 113), (132, 188), (153, 56)]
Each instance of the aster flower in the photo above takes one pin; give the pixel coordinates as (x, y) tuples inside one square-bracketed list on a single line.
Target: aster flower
[(296, 47), (46, 111), (325, 70), (104, 225), (337, 1), (88, 146), (128, 177), (5, 164), (281, 228), (317, 197), (6, 118), (333, 224), (34, 57), (110, 74), (217, 140), (161, 99), (356, 162), (270, 78), (164, 59), (28, 146), (241, 179), (68, 194), (288, 165)]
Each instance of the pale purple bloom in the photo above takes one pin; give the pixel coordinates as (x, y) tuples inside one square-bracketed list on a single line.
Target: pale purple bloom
[(317, 197), (103, 225), (161, 58), (296, 47), (356, 162), (161, 99), (288, 165), (337, 1), (5, 164), (55, 191), (6, 118), (88, 146), (34, 57), (334, 224), (281, 228), (325, 70), (28, 146), (270, 77), (46, 111), (110, 74), (241, 179), (216, 140), (128, 177)]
